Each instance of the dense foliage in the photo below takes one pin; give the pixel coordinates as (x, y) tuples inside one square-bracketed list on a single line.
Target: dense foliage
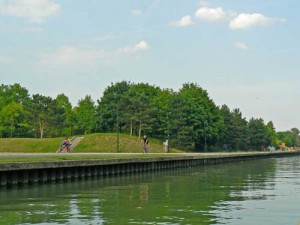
[(188, 118)]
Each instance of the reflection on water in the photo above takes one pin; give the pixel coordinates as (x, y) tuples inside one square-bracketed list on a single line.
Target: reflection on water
[(264, 198), (258, 192)]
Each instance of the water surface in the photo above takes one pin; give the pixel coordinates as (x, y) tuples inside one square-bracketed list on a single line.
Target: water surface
[(256, 192)]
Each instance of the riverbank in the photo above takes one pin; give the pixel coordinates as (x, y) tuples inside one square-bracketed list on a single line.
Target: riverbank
[(91, 143), (77, 166)]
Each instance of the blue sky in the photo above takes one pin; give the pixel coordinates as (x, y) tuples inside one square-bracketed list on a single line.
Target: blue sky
[(244, 53)]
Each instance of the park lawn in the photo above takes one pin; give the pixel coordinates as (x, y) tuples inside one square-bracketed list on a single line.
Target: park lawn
[(29, 145), (92, 143), (108, 143)]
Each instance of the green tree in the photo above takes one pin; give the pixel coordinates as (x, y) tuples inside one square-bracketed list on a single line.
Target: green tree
[(109, 104), (296, 133), (198, 120), (12, 117), (132, 106), (272, 134), (14, 101), (13, 93), (180, 130), (65, 116), (162, 109), (227, 134), (42, 113), (287, 137), (86, 115), (139, 109), (240, 140), (258, 134)]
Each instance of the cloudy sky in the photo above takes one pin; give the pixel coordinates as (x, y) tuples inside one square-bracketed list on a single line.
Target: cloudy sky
[(246, 54)]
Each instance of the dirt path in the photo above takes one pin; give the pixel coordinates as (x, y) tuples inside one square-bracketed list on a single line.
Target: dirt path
[(76, 141)]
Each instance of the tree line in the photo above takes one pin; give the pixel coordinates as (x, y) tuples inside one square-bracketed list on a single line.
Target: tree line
[(188, 118)]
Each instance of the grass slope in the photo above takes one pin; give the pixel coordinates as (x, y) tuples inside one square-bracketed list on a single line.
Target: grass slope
[(29, 145), (91, 143)]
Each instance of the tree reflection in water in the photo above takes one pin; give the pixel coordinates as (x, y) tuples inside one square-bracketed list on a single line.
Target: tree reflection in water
[(200, 195)]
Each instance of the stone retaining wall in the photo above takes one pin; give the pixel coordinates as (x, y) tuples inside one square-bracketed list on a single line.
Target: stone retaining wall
[(43, 172)]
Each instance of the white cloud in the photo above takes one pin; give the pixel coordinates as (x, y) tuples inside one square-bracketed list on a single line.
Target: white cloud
[(184, 21), (141, 46), (72, 54), (5, 59), (87, 55), (136, 12), (245, 21), (36, 11), (103, 38), (237, 21), (35, 30), (241, 46), (213, 14)]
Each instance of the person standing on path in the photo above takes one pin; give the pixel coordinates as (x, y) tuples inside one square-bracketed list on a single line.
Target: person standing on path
[(145, 142)]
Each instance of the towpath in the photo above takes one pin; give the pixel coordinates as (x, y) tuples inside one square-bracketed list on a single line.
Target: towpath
[(124, 155)]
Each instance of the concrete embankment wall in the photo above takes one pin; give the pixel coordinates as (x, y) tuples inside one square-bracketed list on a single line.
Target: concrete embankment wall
[(44, 172)]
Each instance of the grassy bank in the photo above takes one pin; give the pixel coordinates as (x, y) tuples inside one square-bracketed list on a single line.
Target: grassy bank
[(66, 157), (97, 143)]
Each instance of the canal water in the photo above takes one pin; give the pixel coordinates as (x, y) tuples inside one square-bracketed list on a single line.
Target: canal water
[(265, 191)]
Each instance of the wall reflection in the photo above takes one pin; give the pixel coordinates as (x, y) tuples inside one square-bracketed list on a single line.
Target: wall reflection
[(181, 196)]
